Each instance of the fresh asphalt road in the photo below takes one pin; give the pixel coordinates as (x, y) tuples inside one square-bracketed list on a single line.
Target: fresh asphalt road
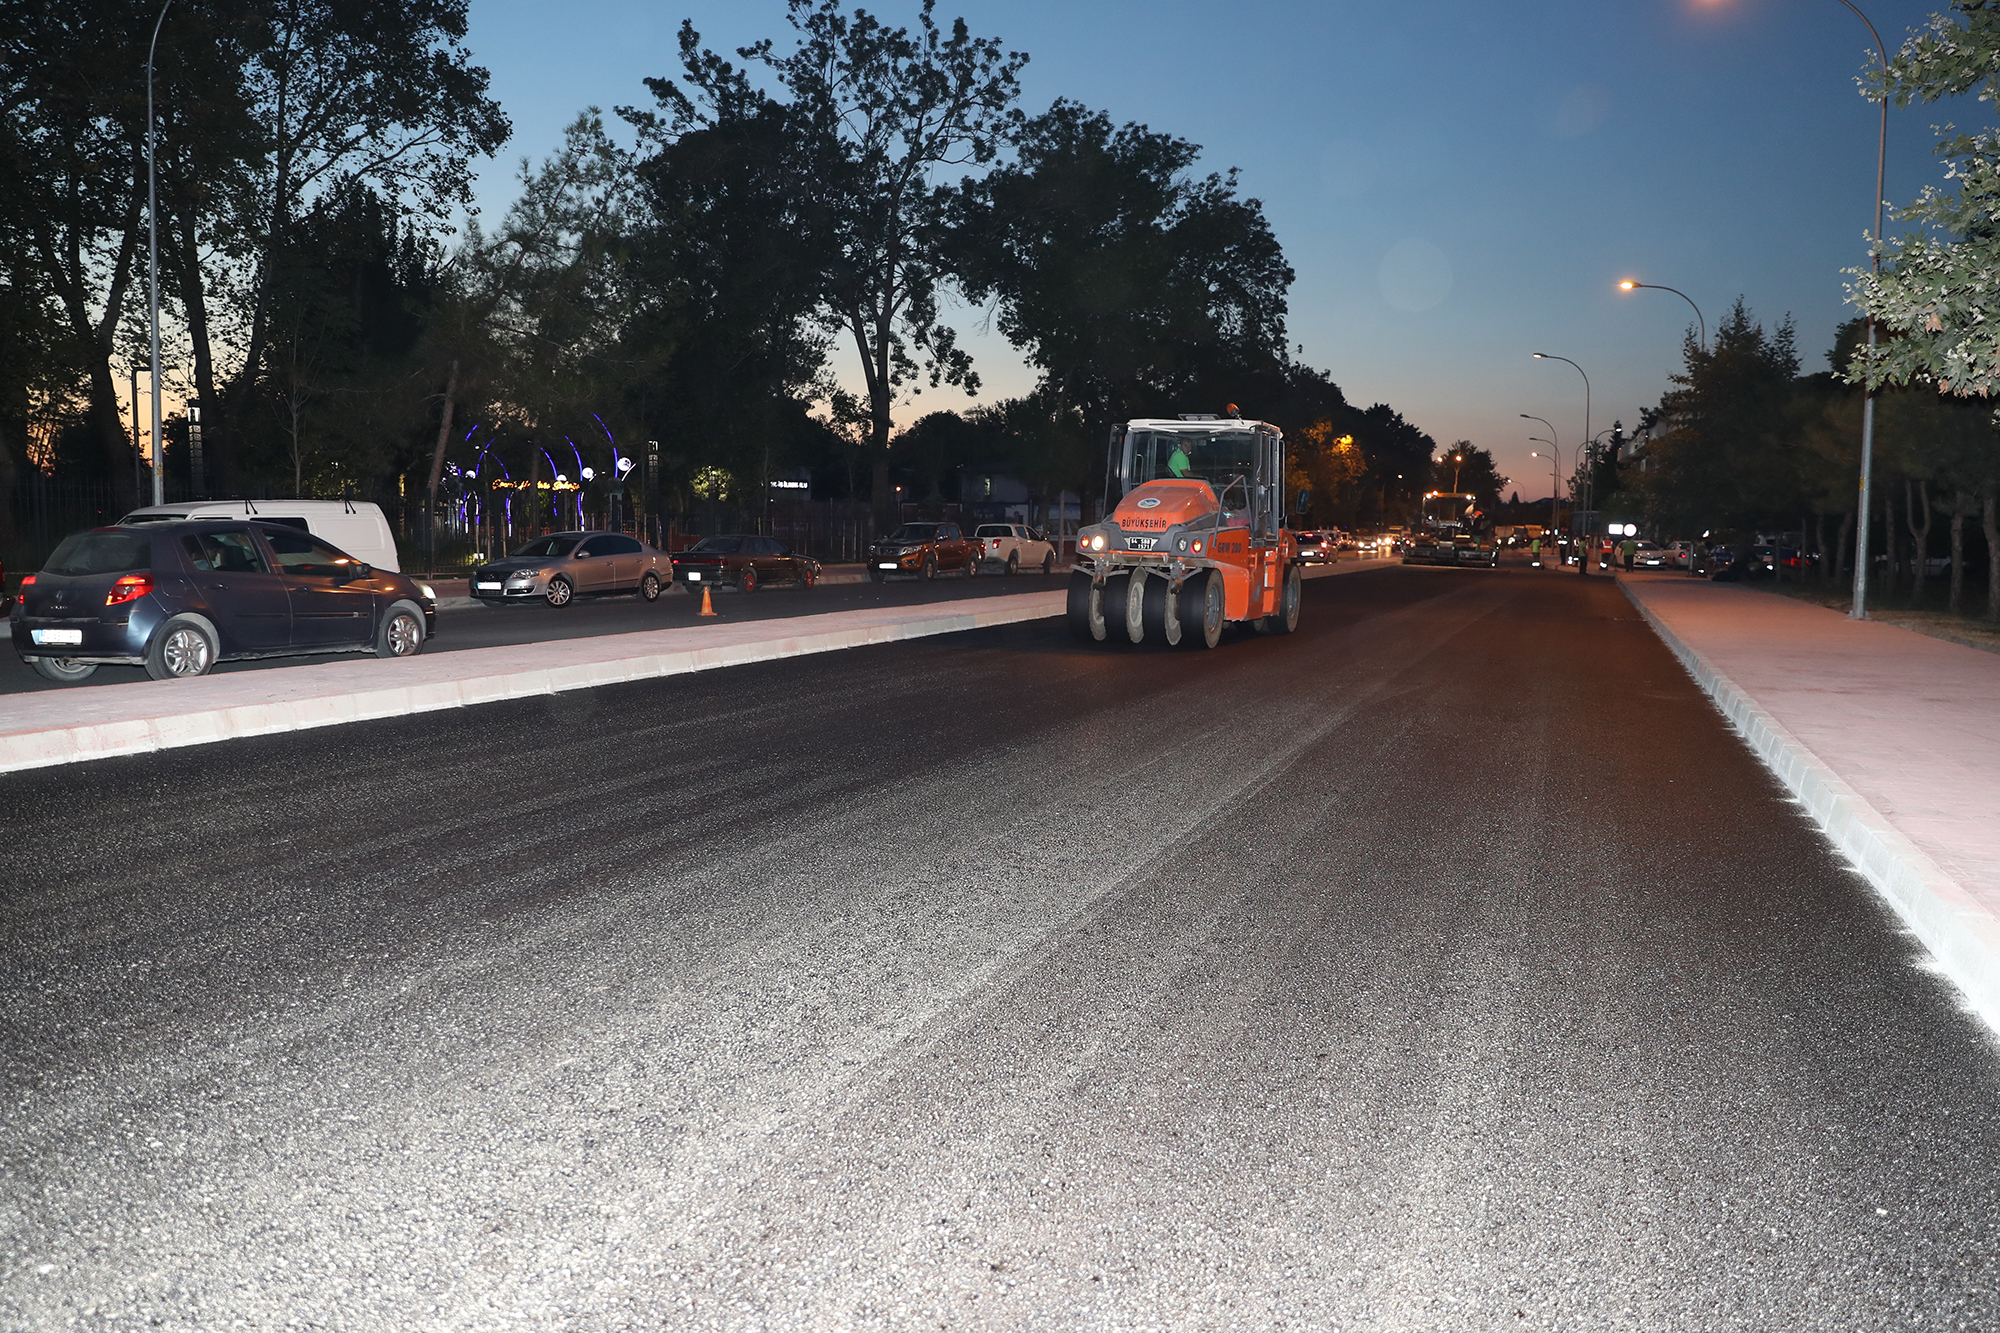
[(1448, 965), (487, 625)]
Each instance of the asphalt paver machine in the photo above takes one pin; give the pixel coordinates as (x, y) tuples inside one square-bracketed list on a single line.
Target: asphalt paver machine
[(1199, 536)]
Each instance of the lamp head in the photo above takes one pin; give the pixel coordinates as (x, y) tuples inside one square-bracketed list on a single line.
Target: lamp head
[(1541, 356), (1627, 285)]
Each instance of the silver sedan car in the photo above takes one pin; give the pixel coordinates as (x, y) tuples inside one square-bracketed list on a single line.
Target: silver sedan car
[(563, 566)]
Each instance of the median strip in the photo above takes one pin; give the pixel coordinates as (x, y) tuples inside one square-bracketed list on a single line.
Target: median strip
[(100, 722)]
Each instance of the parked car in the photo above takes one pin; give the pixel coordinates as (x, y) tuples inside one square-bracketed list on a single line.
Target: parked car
[(1680, 555), (1015, 545), (562, 566), (355, 526), (925, 549), (1651, 555), (743, 561), (1315, 548), (176, 597)]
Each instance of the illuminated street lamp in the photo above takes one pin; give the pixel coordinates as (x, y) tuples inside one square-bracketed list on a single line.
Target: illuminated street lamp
[(1630, 285), (1555, 483)]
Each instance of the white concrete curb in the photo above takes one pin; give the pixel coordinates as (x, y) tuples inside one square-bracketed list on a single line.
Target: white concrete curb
[(1961, 935), (143, 717)]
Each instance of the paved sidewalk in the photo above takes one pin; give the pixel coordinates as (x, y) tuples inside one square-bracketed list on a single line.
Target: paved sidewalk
[(1890, 738)]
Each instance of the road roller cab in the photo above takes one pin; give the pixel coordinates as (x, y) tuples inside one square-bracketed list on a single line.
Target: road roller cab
[(1198, 537)]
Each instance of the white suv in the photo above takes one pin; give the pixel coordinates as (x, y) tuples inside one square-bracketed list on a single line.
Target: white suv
[(1013, 545)]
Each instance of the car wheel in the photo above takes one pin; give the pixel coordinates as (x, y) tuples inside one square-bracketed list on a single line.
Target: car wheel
[(649, 587), (746, 582), (930, 568), (1048, 564), (182, 648), (972, 566), (402, 632), (1013, 563), (63, 670), (560, 591), (807, 576)]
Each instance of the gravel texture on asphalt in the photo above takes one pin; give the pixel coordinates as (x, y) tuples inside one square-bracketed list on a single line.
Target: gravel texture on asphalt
[(1449, 964)]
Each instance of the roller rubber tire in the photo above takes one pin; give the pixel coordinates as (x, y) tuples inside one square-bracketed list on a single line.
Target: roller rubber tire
[(1086, 609), (1289, 600), (1161, 613), (1201, 610)]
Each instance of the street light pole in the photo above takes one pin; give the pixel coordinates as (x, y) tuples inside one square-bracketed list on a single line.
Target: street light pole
[(1583, 566), (1859, 610), (1630, 285), (1555, 502), (153, 260)]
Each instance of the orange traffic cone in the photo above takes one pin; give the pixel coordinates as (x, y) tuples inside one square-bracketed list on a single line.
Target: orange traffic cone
[(707, 607)]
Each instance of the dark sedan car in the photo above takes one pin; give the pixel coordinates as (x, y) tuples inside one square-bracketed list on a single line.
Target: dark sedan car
[(743, 561), (176, 598), (562, 566)]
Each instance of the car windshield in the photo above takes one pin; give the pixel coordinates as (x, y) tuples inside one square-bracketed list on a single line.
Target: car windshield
[(547, 548), (719, 545), (915, 532), (101, 553), (1213, 456)]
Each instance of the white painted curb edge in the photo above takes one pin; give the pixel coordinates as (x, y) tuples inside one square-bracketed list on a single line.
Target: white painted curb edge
[(1962, 936), (104, 740)]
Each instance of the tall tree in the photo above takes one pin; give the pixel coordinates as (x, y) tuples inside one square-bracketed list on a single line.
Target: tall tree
[(72, 144), (880, 111), (378, 91), (1730, 459), (1934, 293), (1132, 283)]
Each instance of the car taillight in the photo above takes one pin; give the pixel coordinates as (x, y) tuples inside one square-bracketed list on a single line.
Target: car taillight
[(129, 589), (27, 580)]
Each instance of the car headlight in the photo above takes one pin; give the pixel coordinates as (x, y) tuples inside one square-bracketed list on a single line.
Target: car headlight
[(429, 594)]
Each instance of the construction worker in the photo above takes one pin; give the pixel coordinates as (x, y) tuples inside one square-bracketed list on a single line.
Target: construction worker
[(1535, 552), (1625, 549), (1177, 461)]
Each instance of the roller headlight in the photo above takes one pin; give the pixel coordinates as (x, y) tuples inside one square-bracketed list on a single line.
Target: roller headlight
[(1097, 541)]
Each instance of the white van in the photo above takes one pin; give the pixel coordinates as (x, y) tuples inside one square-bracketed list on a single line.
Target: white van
[(357, 527)]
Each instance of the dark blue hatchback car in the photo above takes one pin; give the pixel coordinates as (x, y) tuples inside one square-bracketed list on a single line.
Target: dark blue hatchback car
[(176, 598)]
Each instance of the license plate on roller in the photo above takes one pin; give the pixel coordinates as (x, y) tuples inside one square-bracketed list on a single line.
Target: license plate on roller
[(58, 636)]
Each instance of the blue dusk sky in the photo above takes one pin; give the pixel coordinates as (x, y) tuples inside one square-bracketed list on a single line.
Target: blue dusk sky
[(1457, 183)]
